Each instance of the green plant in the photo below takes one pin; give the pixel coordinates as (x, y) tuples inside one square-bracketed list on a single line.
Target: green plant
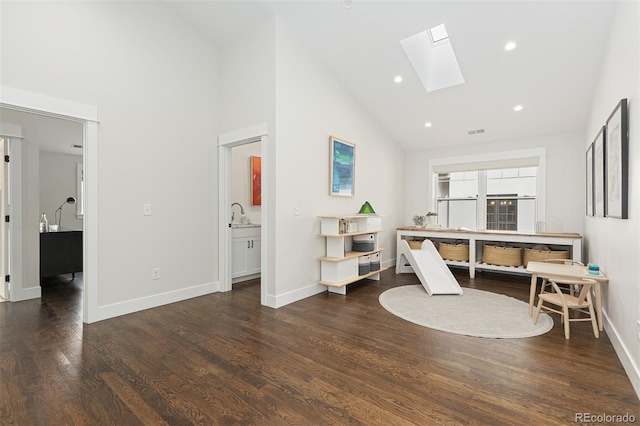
[(429, 214)]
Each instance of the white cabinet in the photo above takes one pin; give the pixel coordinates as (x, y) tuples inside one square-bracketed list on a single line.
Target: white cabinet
[(245, 253), (340, 266)]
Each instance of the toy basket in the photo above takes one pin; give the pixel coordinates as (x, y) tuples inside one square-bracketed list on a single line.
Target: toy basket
[(454, 251), (415, 244), (540, 255), (501, 255)]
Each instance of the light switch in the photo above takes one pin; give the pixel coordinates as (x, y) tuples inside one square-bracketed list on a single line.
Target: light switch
[(146, 209), (296, 210)]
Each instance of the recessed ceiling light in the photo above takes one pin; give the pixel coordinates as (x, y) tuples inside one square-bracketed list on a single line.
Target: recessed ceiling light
[(518, 108), (397, 79), (347, 4), (427, 124), (510, 46)]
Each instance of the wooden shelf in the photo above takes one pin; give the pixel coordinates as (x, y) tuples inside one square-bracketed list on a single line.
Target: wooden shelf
[(351, 216), (350, 255), (352, 280), (498, 268), (477, 240), (341, 265), (349, 234)]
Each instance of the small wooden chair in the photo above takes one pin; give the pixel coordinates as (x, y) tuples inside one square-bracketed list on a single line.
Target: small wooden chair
[(582, 303)]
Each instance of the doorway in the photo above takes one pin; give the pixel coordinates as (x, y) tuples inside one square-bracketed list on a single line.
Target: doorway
[(87, 116), (4, 241), (246, 213), (226, 143)]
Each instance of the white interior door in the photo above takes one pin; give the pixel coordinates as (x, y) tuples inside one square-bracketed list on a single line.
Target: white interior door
[(4, 212)]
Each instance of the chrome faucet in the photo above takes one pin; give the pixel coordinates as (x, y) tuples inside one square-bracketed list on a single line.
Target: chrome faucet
[(233, 214)]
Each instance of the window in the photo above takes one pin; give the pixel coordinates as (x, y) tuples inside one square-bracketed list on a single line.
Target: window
[(496, 199), (502, 213)]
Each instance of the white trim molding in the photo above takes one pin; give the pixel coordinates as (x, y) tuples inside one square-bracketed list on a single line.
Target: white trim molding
[(22, 100), (142, 303), (501, 159)]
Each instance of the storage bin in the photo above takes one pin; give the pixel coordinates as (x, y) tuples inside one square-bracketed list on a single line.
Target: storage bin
[(364, 264), (542, 254), (375, 262), (502, 255), (364, 242), (415, 244), (369, 224), (454, 251)]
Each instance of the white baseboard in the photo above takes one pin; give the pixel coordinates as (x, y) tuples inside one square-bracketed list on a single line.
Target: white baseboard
[(153, 301), (293, 296), (244, 278), (630, 367), (31, 293)]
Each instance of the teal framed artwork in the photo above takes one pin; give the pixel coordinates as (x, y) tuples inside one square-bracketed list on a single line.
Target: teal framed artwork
[(342, 167)]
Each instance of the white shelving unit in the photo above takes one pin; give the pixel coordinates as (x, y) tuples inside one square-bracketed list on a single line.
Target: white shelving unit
[(476, 240), (339, 267)]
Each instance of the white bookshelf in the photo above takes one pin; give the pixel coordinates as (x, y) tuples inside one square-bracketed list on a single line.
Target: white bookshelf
[(339, 267)]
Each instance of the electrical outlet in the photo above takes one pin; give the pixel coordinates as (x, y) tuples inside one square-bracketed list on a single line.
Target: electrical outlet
[(155, 273), (146, 209)]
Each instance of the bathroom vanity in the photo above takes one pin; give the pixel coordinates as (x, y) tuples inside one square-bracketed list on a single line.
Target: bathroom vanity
[(245, 252)]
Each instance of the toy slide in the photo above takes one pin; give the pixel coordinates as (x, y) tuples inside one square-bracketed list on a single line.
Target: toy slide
[(434, 274)]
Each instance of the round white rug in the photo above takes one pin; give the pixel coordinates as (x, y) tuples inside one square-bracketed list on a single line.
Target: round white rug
[(475, 313)]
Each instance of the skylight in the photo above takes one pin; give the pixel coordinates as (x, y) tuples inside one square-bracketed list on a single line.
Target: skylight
[(438, 33), (432, 56)]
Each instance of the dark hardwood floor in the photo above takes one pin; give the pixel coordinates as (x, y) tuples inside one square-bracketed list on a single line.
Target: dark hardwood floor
[(223, 359)]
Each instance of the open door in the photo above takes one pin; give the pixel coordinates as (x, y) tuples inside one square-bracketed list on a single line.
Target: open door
[(5, 202)]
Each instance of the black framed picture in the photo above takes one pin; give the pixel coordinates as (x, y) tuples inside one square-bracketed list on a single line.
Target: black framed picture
[(617, 162), (598, 174), (589, 180)]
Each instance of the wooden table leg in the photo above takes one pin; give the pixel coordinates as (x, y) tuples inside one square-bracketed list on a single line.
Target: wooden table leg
[(532, 292), (598, 304)]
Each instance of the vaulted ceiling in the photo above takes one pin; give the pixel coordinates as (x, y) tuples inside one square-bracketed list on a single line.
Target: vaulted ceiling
[(552, 72)]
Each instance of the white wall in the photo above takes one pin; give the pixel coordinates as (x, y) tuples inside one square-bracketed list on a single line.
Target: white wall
[(241, 181), (613, 243), (248, 88), (248, 80), (311, 105), (154, 81), (564, 187), (57, 183)]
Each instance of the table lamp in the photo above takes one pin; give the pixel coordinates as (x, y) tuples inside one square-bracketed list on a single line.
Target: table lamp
[(69, 200)]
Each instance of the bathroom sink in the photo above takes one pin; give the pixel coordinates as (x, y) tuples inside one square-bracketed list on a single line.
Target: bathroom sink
[(245, 225)]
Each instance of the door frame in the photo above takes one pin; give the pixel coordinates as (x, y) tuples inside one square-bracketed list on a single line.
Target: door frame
[(12, 182), (87, 115), (226, 142)]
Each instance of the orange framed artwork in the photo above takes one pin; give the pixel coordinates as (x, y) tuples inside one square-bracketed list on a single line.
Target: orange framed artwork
[(256, 188)]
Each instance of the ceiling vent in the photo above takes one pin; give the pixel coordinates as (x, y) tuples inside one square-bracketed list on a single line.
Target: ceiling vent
[(475, 132)]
